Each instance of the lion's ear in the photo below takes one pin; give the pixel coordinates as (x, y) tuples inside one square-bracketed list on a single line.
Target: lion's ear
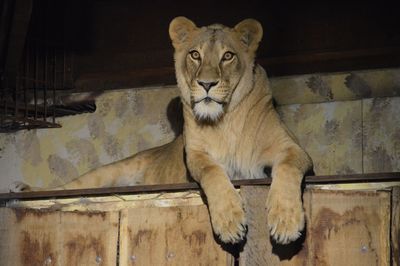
[(250, 33), (180, 30)]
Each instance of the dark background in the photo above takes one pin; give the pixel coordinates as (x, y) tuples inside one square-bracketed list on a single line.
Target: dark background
[(119, 43)]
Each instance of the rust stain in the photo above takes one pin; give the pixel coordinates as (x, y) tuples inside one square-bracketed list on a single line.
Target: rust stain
[(197, 237), (75, 249), (141, 236), (179, 215), (78, 248), (36, 251), (327, 222), (197, 240), (348, 193), (92, 214), (21, 213)]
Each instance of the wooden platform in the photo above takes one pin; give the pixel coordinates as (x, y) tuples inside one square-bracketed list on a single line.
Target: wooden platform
[(351, 220)]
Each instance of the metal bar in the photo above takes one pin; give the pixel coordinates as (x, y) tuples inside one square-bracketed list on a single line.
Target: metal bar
[(46, 48), (26, 74), (55, 83), (16, 97), (36, 78), (309, 180), (4, 102), (37, 122), (45, 86), (63, 83)]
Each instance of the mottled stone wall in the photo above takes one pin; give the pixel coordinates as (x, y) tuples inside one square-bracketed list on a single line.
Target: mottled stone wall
[(331, 133), (347, 122), (381, 142), (360, 136), (342, 86)]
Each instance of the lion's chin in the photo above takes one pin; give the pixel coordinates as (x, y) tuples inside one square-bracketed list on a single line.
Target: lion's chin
[(208, 111)]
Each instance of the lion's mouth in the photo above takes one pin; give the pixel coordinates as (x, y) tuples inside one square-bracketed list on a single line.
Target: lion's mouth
[(208, 100)]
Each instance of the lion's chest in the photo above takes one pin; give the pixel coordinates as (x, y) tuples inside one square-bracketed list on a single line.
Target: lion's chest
[(237, 153)]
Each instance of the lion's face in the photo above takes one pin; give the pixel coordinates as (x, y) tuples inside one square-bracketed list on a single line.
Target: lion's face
[(214, 64)]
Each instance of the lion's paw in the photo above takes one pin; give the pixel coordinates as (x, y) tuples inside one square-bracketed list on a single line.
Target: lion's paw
[(228, 217), (285, 217), (19, 187)]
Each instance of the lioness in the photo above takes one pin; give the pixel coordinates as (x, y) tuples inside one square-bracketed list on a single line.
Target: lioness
[(231, 130)]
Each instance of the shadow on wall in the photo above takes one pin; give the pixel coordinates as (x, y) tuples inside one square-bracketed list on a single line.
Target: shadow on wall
[(175, 115)]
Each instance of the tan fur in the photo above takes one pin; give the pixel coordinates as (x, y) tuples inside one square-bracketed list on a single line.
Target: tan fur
[(230, 131), (243, 138)]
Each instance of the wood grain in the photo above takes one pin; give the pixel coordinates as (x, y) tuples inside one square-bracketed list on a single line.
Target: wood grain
[(34, 237), (169, 236), (349, 228), (395, 229), (343, 228)]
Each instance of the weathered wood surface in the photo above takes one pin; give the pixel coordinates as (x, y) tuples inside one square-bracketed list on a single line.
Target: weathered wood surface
[(395, 232), (169, 236), (310, 180), (33, 237), (343, 228), (350, 228)]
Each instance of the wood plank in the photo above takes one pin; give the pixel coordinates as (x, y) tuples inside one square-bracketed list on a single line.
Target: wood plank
[(395, 229), (33, 237), (349, 228), (328, 179), (343, 228), (259, 250), (169, 236)]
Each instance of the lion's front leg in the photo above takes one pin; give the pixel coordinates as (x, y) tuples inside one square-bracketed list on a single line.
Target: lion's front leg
[(284, 205), (224, 203)]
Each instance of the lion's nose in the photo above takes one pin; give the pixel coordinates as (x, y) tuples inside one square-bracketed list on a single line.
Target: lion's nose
[(207, 85)]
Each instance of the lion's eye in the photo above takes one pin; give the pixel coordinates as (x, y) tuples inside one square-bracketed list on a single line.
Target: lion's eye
[(194, 54), (227, 56)]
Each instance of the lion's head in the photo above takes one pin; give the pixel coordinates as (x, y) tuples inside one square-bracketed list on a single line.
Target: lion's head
[(214, 64)]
